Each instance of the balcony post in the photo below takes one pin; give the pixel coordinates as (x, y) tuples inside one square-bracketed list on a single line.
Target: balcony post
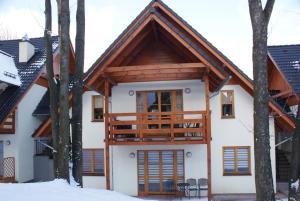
[(208, 135), (106, 115)]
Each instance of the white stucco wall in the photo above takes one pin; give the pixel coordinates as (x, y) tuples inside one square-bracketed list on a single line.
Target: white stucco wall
[(125, 179), (234, 132), (22, 144), (122, 102), (92, 137), (225, 132)]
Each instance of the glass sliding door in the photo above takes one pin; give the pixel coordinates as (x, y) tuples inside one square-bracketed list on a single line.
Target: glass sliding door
[(159, 101), (159, 171)]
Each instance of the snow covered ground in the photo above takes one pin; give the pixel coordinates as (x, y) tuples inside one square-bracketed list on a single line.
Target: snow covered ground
[(57, 190)]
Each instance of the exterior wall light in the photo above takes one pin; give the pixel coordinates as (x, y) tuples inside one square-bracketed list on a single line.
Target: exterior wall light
[(188, 154), (132, 155), (131, 92), (7, 142), (187, 90)]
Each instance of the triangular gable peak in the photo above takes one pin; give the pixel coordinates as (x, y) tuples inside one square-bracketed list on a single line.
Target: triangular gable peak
[(179, 56)]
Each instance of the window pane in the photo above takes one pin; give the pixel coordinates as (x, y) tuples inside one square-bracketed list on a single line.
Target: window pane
[(99, 161), (166, 98), (242, 155), (87, 161), (152, 102), (229, 160), (98, 113), (227, 103), (98, 102), (227, 110), (179, 101), (139, 102)]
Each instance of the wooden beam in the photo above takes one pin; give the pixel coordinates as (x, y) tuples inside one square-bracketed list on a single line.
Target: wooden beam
[(163, 142), (170, 31), (120, 49), (208, 136), (154, 67), (159, 77), (106, 116), (154, 30), (283, 93), (157, 71), (109, 79)]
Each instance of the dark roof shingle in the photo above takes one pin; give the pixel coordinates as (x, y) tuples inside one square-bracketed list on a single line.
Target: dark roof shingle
[(287, 58), (28, 72)]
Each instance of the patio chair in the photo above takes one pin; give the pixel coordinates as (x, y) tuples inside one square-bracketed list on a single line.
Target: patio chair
[(202, 185), (192, 186)]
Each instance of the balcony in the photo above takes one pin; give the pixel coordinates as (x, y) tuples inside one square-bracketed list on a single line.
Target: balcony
[(187, 127)]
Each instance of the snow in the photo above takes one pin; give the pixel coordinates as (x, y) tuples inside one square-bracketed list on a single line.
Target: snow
[(296, 64), (58, 190), (295, 185), (8, 70)]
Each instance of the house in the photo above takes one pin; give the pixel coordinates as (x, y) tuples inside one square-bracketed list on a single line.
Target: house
[(284, 87), (165, 105), (22, 85)]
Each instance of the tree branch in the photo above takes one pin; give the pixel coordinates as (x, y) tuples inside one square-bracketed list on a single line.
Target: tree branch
[(268, 9)]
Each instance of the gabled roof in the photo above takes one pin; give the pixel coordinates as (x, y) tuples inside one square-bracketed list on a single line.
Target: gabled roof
[(28, 72), (287, 59), (158, 14)]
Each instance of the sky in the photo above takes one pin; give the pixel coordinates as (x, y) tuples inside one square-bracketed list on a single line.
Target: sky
[(226, 24)]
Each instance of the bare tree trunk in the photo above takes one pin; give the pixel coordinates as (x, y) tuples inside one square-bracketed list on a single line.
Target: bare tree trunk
[(64, 125), (295, 164), (77, 94), (263, 169), (52, 82)]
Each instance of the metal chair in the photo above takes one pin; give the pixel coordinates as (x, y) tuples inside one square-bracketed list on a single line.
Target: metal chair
[(192, 186), (202, 185), (182, 189)]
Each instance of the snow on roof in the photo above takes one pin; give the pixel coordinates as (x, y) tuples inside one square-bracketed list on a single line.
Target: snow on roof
[(8, 70)]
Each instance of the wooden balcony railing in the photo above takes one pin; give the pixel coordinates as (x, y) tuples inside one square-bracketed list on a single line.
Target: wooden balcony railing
[(7, 170), (157, 127)]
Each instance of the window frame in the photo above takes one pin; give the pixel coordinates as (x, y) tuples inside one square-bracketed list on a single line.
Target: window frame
[(233, 105), (173, 99), (93, 109), (93, 156), (236, 173)]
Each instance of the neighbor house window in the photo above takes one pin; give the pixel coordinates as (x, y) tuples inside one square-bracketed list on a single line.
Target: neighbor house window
[(236, 161), (97, 108), (227, 104), (93, 162)]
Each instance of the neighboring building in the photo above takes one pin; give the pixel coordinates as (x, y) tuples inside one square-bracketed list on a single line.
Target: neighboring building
[(165, 105), (284, 87), (23, 84)]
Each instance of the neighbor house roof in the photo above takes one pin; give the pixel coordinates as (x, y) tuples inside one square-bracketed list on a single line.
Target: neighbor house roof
[(28, 72), (287, 59)]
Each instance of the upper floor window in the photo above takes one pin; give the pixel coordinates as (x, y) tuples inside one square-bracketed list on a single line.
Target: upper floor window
[(93, 162), (236, 161), (227, 104), (8, 125), (97, 108)]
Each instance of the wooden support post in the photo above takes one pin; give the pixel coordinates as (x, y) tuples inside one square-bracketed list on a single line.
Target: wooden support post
[(106, 110), (208, 136)]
